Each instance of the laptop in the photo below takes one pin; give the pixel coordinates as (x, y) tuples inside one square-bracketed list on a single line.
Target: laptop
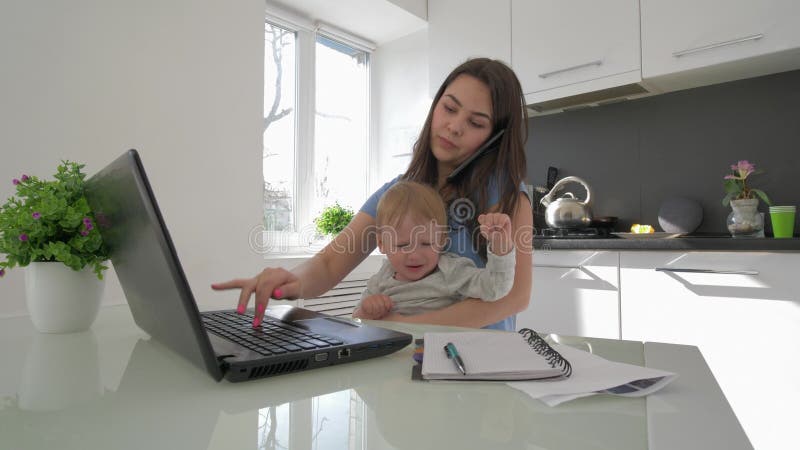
[(223, 343)]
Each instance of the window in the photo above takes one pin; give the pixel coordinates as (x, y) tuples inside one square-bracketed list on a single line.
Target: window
[(279, 128), (316, 97)]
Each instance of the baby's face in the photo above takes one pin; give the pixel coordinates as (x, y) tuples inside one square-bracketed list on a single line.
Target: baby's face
[(412, 248)]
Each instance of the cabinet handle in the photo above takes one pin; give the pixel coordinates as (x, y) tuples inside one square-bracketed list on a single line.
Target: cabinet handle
[(555, 266), (730, 272), (579, 66), (754, 37)]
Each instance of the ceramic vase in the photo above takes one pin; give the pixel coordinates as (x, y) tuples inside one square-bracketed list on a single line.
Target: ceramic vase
[(62, 300), (744, 219)]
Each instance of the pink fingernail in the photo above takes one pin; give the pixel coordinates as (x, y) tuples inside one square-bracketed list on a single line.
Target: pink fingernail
[(256, 322), (240, 309), (277, 293)]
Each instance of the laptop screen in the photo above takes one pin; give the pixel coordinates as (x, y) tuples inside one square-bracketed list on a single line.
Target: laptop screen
[(145, 260)]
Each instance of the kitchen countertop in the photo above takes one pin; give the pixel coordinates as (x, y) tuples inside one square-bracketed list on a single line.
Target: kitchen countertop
[(696, 242)]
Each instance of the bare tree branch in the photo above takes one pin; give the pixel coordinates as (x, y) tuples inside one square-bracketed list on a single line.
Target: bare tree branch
[(275, 117), (278, 43)]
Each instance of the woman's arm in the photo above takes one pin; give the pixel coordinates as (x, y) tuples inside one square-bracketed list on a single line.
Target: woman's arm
[(313, 277), (346, 251), (477, 313)]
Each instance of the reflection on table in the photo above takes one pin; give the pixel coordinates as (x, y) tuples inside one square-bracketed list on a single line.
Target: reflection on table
[(132, 392)]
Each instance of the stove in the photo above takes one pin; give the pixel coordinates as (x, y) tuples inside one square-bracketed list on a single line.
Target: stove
[(574, 233)]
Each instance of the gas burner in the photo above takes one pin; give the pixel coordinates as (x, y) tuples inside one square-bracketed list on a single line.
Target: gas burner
[(575, 233)]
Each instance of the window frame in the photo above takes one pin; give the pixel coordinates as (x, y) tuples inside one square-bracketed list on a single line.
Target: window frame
[(277, 244)]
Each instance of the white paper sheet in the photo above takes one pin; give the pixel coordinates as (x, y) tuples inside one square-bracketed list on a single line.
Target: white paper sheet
[(593, 375)]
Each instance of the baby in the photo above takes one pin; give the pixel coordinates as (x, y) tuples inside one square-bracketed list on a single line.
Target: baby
[(417, 275)]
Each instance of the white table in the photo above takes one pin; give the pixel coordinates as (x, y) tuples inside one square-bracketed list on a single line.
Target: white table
[(112, 387)]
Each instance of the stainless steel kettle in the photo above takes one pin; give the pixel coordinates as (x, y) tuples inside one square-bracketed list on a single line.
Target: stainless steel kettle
[(567, 211)]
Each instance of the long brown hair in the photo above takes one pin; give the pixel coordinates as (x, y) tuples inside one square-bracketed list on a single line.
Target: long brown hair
[(505, 165)]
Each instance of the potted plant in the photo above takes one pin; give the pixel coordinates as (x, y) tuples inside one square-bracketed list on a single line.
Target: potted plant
[(333, 219), (744, 220), (48, 227)]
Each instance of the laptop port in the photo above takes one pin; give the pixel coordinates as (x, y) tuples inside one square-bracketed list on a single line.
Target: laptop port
[(321, 357), (344, 353)]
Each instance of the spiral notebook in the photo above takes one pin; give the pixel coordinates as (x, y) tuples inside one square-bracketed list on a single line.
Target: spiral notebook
[(500, 356)]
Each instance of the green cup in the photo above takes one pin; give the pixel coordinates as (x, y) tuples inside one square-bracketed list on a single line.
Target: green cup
[(782, 223)]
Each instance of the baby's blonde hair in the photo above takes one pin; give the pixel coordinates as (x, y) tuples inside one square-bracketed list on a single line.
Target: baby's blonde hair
[(408, 198)]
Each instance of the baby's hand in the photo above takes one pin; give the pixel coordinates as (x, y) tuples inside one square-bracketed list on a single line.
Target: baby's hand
[(496, 228), (374, 307)]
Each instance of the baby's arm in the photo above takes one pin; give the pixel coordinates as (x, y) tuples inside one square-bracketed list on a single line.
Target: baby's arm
[(496, 280), (496, 228), (490, 283), (373, 307)]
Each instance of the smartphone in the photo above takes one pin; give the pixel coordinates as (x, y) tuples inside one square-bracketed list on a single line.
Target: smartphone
[(487, 146)]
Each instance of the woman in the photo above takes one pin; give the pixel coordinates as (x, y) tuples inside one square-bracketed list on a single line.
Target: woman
[(478, 100)]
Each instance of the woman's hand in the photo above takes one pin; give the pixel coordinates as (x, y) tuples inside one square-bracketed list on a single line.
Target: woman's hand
[(271, 282)]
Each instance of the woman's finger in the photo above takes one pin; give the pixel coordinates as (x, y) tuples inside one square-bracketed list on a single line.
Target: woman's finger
[(263, 290), (244, 298), (230, 284)]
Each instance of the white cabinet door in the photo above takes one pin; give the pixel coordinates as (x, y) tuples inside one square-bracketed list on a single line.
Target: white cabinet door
[(566, 48), (746, 325), (574, 293), (683, 35), (461, 29)]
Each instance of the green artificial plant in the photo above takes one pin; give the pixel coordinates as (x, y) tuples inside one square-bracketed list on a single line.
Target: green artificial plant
[(51, 221), (333, 219)]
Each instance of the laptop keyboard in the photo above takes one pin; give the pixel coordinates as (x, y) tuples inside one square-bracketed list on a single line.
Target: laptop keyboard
[(273, 337)]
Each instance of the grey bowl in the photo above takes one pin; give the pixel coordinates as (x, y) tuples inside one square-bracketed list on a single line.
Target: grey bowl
[(680, 215)]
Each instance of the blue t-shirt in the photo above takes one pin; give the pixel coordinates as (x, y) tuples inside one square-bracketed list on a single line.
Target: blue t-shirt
[(459, 242)]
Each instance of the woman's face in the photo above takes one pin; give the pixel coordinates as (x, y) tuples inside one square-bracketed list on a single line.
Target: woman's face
[(462, 121)]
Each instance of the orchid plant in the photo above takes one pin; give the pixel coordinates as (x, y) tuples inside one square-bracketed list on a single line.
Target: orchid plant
[(51, 221), (736, 187)]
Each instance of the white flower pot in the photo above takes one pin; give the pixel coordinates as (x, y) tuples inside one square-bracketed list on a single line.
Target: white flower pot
[(61, 300)]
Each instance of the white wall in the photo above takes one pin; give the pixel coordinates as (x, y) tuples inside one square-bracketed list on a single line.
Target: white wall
[(179, 80), (400, 100), (417, 7)]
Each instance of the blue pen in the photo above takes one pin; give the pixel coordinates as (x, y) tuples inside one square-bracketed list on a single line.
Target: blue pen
[(452, 353)]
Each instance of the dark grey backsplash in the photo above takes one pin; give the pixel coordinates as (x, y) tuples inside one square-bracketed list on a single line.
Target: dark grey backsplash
[(636, 154)]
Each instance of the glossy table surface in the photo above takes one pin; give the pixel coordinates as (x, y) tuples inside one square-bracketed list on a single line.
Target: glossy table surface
[(112, 387)]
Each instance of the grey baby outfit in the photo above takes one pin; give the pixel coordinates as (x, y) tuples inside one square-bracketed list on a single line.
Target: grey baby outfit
[(455, 278)]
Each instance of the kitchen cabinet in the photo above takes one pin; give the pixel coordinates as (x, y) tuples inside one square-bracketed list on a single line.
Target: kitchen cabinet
[(688, 43), (460, 29), (743, 314), (586, 52), (574, 293), (560, 49)]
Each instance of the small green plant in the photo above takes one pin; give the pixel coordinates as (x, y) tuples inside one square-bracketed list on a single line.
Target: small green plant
[(333, 219), (51, 221)]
